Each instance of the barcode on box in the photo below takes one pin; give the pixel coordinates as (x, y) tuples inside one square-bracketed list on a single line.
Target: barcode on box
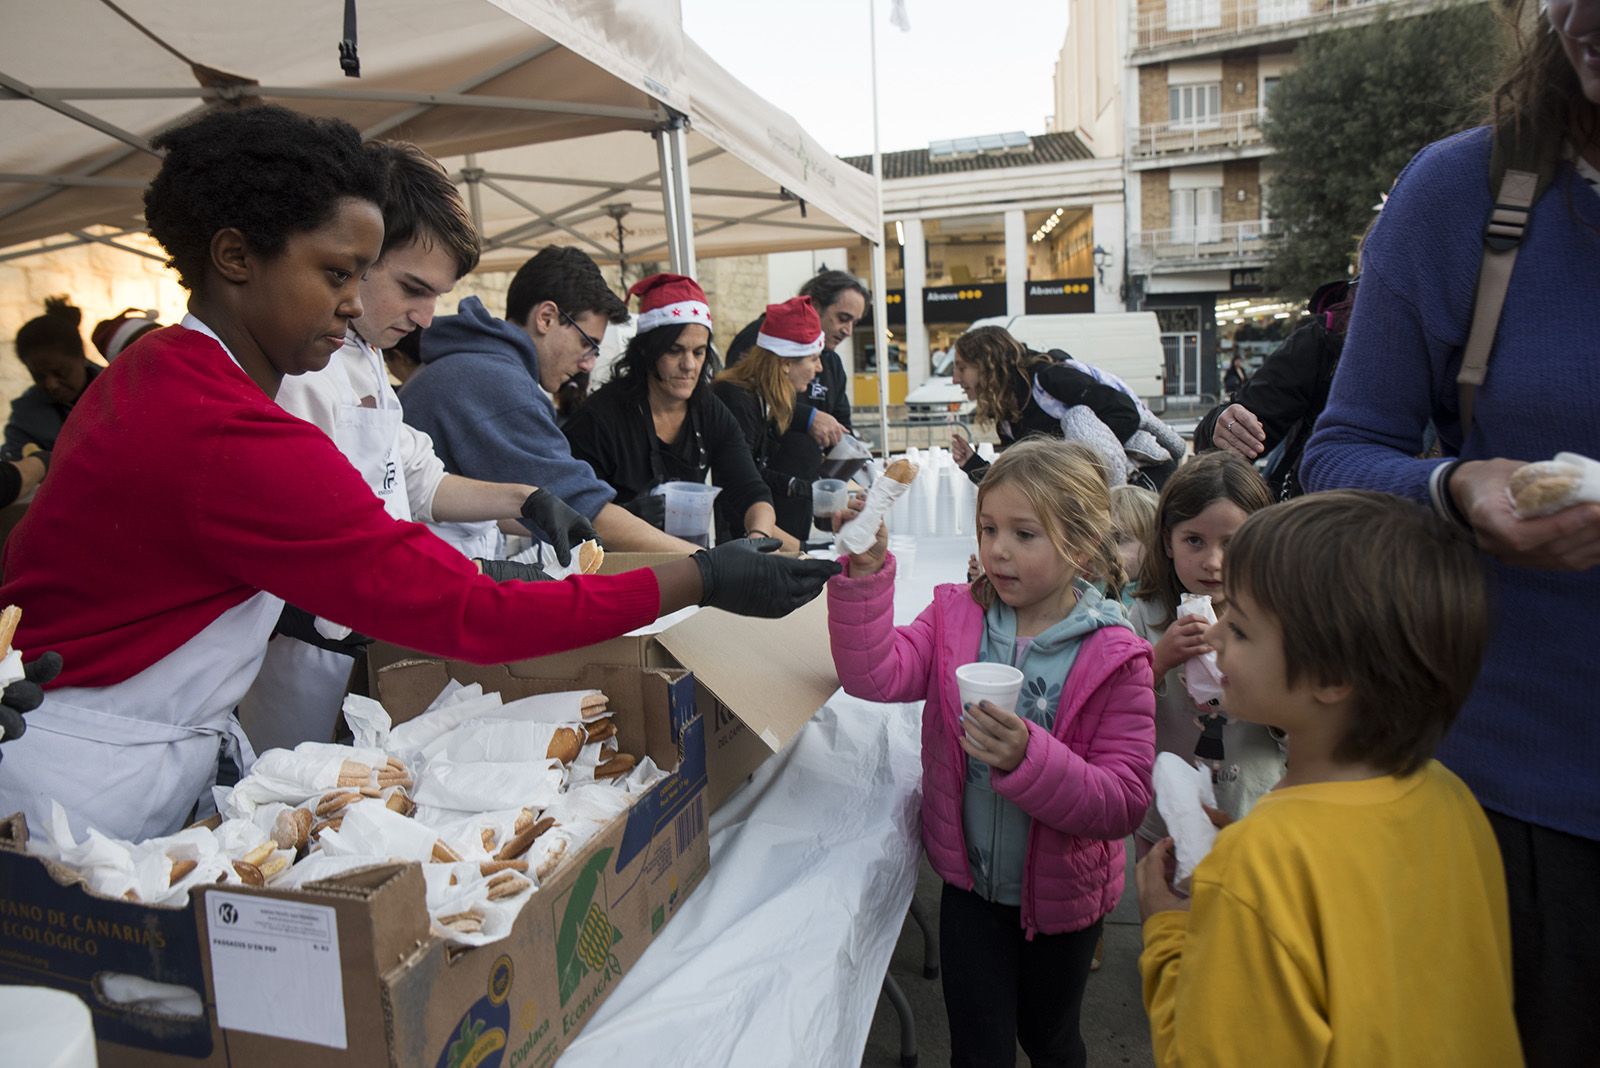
[(689, 824)]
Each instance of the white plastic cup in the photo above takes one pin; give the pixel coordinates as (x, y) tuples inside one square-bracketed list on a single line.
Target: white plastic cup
[(689, 510), (904, 547), (828, 495), (999, 684)]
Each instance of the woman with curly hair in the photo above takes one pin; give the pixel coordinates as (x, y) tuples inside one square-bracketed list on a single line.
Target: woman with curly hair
[(160, 592)]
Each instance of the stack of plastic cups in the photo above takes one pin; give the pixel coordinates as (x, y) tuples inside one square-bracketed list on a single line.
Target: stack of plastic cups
[(944, 507)]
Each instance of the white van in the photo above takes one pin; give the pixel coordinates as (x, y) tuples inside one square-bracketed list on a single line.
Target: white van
[(1126, 344)]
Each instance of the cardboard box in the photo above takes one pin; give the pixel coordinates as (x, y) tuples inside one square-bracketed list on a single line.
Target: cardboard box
[(347, 966), (757, 681)]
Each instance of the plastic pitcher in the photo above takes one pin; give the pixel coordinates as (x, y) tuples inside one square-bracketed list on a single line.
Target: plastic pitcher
[(689, 510)]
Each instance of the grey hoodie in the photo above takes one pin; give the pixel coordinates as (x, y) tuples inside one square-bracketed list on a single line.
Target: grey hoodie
[(478, 396)]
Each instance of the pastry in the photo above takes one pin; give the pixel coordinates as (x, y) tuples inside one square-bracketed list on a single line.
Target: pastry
[(518, 845), (590, 557), (565, 745)]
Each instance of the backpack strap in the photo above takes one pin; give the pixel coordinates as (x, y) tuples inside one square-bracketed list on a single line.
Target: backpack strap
[(1520, 170)]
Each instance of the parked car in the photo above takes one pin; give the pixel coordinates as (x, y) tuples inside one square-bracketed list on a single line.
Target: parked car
[(1124, 344)]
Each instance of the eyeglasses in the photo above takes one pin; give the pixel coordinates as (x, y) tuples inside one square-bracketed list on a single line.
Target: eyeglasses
[(594, 344)]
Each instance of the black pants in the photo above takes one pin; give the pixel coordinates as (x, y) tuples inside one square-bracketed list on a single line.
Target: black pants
[(1001, 989), (1555, 940)]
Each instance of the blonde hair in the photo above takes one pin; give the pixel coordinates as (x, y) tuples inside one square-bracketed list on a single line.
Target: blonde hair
[(1063, 484), (761, 372), (1133, 513)]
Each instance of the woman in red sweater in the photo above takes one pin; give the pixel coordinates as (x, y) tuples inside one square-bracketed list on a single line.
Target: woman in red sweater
[(160, 592)]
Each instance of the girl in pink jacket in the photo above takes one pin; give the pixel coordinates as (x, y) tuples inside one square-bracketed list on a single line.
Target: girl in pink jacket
[(1023, 813)]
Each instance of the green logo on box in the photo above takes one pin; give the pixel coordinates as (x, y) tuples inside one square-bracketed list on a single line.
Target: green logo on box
[(586, 933)]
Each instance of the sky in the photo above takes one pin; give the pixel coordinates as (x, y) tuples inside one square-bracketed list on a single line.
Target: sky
[(964, 69)]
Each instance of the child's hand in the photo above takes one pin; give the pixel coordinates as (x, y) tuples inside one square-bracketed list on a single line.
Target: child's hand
[(994, 736), (1219, 819), (973, 569), (871, 561), (960, 449), (1154, 877), (1183, 641)]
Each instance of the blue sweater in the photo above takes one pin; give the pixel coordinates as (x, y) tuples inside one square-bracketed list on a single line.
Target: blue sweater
[(478, 397), (1528, 740)]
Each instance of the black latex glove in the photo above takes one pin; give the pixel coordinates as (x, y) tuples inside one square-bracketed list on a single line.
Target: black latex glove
[(652, 508), (976, 467), (511, 571), (562, 526), (739, 577), (25, 695), (300, 625)]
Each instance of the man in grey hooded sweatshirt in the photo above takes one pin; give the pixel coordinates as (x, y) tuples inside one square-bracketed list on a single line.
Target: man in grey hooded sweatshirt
[(485, 394)]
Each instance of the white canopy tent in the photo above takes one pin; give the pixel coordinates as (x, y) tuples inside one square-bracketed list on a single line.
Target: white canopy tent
[(643, 116)]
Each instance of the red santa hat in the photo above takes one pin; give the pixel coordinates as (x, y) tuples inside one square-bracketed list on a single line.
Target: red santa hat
[(113, 335), (791, 329), (668, 300)]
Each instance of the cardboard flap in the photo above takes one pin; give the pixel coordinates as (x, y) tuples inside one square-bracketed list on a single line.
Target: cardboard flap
[(738, 659)]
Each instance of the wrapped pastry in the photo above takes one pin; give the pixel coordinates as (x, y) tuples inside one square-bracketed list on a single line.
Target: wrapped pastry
[(1182, 791), (858, 535), (1548, 486)]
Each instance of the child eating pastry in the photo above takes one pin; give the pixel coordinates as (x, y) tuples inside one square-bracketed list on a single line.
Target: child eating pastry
[(1357, 915)]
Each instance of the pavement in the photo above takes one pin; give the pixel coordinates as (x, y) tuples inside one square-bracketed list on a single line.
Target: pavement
[(1113, 1021)]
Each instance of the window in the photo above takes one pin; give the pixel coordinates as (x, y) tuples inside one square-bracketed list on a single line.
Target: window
[(1197, 215), (1194, 14), (1282, 10), (1195, 106), (1268, 86)]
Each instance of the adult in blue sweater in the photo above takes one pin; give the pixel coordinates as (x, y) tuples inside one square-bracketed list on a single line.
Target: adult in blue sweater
[(484, 395), (1528, 740)]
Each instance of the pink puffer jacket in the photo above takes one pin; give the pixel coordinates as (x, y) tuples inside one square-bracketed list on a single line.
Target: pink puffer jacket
[(1086, 784)]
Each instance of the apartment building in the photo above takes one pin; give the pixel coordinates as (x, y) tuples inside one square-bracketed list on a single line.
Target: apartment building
[(1199, 79)]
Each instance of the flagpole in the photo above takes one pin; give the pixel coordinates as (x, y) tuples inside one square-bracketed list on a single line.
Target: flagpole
[(880, 302)]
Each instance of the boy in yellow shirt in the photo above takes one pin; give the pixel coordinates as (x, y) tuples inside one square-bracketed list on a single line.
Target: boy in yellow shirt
[(1357, 916)]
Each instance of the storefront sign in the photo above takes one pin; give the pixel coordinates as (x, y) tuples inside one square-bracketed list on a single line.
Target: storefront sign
[(962, 304), (894, 304), (1059, 296), (1246, 280)]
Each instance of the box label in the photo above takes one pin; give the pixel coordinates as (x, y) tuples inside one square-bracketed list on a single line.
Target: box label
[(479, 1040), (584, 937), (275, 968)]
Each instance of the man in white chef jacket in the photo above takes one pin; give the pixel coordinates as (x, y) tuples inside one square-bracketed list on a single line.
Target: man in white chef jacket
[(429, 244)]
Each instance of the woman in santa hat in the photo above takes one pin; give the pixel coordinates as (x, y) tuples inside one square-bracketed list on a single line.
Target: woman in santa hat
[(657, 420), (760, 391)]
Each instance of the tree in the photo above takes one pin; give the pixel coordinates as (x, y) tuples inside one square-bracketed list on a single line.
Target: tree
[(1360, 103)]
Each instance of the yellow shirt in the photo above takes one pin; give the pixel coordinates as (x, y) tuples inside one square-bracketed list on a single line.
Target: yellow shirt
[(1351, 923)]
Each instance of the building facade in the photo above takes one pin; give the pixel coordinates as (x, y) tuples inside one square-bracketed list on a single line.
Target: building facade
[(1199, 80)]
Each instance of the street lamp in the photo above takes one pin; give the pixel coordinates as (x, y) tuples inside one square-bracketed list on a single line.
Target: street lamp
[(1102, 262)]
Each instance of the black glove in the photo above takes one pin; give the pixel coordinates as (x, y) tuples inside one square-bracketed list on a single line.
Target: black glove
[(511, 571), (652, 508), (976, 467), (562, 526), (738, 576), (25, 695), (300, 625)]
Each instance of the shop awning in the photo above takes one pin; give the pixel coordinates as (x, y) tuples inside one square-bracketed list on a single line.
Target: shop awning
[(549, 112)]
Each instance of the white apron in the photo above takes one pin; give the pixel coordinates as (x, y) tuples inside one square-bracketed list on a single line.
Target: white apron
[(298, 694), (131, 760)]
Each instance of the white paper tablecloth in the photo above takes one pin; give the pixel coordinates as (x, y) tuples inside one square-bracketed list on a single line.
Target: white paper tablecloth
[(778, 956)]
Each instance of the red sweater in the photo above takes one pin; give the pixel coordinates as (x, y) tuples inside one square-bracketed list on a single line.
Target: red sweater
[(178, 490)]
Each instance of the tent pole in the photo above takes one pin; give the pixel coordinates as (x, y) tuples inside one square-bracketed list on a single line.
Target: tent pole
[(474, 175), (669, 196), (880, 296), (680, 186)]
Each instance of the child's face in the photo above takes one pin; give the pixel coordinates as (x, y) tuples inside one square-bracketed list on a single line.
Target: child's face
[(1249, 644), (1196, 546), (304, 299), (1016, 552)]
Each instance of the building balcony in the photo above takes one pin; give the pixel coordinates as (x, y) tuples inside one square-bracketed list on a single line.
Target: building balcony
[(1173, 29), (1214, 135), (1213, 246)]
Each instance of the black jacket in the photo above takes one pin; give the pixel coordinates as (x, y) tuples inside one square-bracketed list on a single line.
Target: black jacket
[(791, 489), (613, 433), (1286, 394), (1071, 387), (37, 420)]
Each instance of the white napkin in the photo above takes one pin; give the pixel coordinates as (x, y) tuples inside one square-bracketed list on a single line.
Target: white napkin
[(858, 535), (1201, 676), (1181, 789)]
